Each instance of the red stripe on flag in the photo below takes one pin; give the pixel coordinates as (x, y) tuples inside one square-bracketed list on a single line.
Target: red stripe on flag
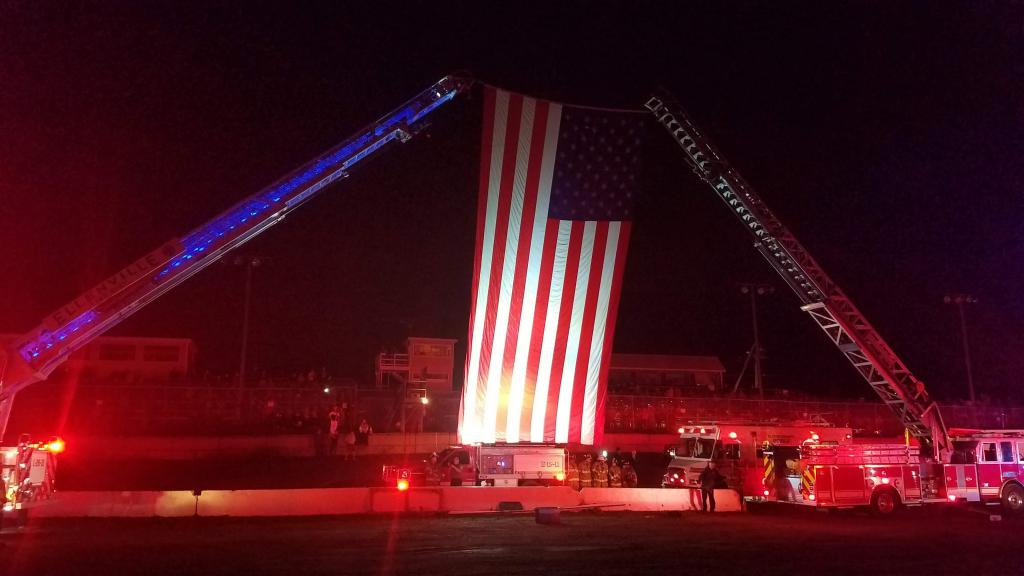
[(609, 331), (536, 153), (508, 168), (490, 94), (540, 315), (572, 264), (587, 330)]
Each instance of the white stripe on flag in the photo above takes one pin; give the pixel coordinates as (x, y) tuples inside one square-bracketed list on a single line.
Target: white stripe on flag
[(470, 423), (522, 355), (508, 273), (597, 342), (547, 351), (572, 343)]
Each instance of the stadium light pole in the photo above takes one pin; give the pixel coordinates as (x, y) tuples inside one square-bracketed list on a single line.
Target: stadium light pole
[(960, 300), (755, 290), (250, 263)]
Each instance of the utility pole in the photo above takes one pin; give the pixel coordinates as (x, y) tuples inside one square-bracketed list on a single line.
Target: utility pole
[(754, 290), (960, 300)]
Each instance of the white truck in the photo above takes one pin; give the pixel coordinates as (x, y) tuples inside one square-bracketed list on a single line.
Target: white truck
[(485, 465)]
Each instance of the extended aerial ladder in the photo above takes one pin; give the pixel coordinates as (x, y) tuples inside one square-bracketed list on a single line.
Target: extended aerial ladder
[(35, 355), (829, 307)]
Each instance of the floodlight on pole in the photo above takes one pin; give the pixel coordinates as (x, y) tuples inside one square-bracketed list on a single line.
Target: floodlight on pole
[(959, 300)]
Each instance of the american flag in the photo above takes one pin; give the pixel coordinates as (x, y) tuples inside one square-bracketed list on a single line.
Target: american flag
[(557, 185)]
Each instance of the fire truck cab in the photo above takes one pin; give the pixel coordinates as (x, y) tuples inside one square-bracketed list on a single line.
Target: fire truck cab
[(738, 452), (27, 471), (986, 466)]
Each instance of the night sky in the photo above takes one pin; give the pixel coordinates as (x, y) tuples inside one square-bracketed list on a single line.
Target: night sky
[(888, 137)]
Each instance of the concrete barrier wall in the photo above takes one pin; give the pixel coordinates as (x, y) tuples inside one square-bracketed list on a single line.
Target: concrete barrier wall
[(659, 499), (479, 498), (343, 501), (116, 505), (301, 502)]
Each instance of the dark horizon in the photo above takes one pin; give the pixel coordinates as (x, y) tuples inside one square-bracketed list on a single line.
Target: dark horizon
[(886, 138)]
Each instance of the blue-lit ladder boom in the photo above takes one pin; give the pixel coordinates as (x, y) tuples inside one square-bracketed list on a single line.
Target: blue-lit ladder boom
[(826, 303), (36, 354)]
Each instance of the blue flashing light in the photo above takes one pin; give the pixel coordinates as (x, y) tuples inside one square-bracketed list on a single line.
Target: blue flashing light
[(345, 157), (47, 340), (430, 107)]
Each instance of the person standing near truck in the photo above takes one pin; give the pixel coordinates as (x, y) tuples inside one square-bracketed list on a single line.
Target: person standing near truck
[(629, 479), (600, 473), (585, 475), (710, 478), (615, 474), (572, 472)]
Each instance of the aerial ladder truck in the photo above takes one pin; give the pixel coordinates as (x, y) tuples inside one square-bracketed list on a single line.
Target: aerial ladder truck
[(945, 465), (35, 355)]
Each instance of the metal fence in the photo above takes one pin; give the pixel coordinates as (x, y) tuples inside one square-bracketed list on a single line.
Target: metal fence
[(172, 410)]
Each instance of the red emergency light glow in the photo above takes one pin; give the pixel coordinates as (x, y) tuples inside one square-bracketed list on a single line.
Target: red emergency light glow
[(765, 492), (732, 435), (559, 476), (811, 498), (952, 497), (403, 484), (57, 446), (681, 430)]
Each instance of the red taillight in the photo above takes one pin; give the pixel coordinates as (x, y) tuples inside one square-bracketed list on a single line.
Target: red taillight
[(403, 484)]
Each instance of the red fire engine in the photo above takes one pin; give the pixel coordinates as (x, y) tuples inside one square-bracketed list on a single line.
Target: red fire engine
[(27, 473), (974, 466), (737, 450)]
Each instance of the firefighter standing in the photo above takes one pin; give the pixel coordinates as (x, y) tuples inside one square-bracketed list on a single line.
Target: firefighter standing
[(629, 479), (432, 471), (615, 474), (572, 473), (600, 473), (455, 472), (585, 475), (710, 478)]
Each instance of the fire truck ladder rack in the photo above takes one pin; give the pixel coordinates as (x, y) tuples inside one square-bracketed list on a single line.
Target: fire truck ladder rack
[(826, 303), (861, 454), (36, 354)]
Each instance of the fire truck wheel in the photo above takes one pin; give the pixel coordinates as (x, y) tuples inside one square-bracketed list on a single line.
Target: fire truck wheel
[(1013, 499), (885, 503)]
